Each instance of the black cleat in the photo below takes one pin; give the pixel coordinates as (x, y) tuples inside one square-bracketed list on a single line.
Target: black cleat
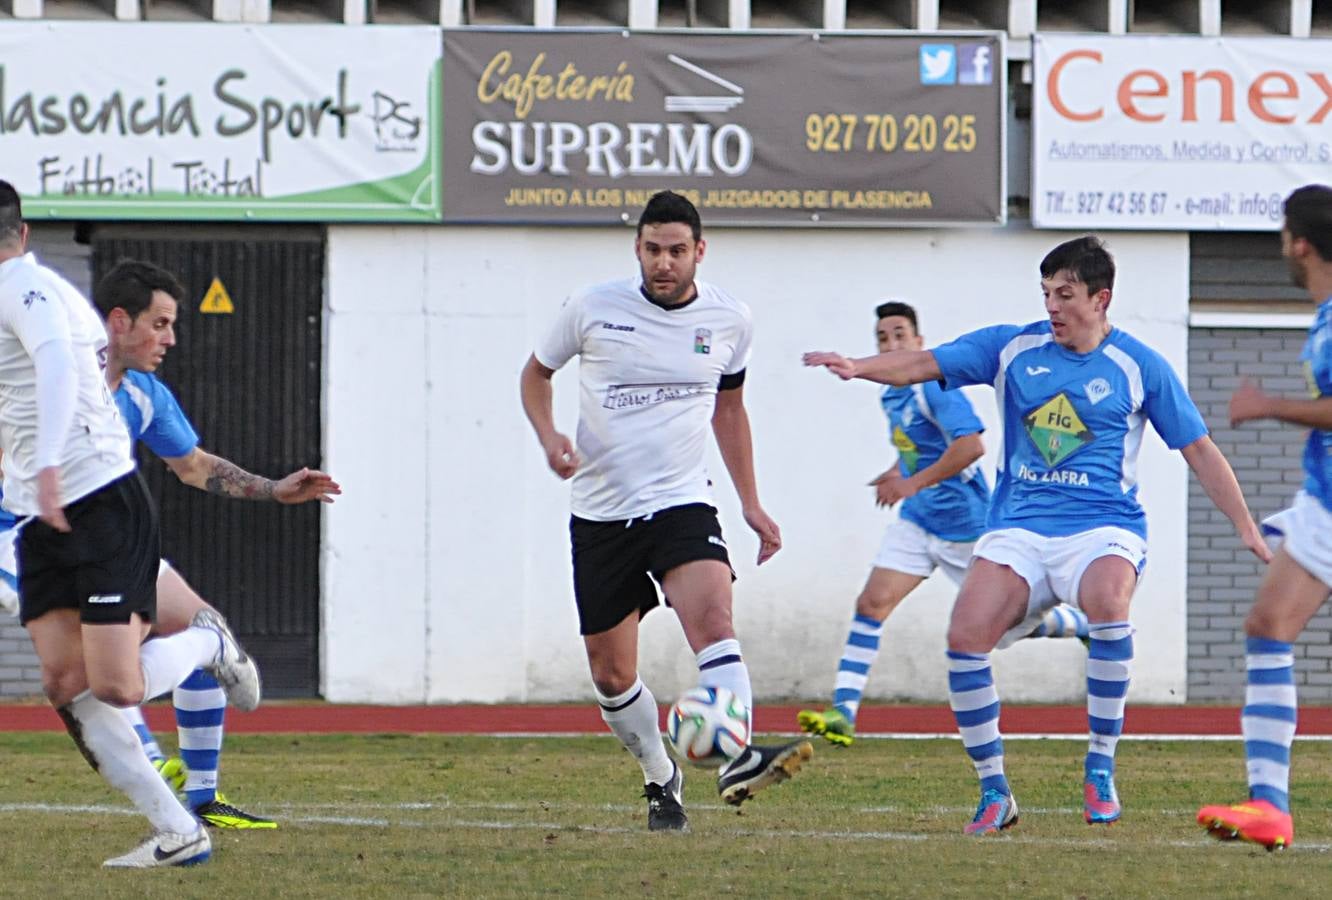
[(665, 805), (759, 767)]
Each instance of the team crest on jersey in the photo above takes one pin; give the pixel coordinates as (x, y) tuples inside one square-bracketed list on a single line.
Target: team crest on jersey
[(702, 340), (1097, 390), (906, 449), (1056, 430), (32, 297)]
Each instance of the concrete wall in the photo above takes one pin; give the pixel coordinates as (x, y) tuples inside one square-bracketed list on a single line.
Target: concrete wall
[(446, 560)]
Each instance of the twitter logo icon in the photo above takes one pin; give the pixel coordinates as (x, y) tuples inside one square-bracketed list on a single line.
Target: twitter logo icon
[(938, 64)]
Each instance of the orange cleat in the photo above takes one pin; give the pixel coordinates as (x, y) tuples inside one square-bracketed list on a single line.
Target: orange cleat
[(1257, 821)]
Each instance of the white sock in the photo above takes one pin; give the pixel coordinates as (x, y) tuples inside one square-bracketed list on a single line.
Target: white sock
[(167, 661), (633, 717), (110, 746), (720, 665)]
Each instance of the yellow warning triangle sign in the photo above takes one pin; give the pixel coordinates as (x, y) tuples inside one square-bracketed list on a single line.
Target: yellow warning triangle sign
[(217, 300)]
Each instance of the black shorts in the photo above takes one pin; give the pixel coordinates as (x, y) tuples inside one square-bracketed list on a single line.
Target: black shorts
[(612, 561), (105, 566)]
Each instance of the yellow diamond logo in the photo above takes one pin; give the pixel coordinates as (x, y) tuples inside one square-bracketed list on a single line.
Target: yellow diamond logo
[(906, 448), (1056, 430)]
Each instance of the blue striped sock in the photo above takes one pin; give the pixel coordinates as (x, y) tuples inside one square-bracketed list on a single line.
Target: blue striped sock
[(1268, 720), (200, 705), (134, 716), (862, 648), (1108, 661), (975, 704), (1062, 621)]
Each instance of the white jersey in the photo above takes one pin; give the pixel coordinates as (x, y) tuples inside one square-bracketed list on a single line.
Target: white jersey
[(38, 306), (648, 378)]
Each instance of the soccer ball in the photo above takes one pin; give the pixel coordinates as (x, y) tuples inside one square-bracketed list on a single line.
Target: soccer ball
[(708, 726)]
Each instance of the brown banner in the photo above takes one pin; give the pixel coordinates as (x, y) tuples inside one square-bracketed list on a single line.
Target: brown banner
[(757, 129)]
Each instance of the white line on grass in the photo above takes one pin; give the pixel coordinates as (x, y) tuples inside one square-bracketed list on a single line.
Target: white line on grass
[(940, 735), (489, 825)]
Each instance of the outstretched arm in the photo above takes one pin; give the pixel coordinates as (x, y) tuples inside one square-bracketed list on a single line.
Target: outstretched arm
[(1218, 480), (207, 472), (730, 425), (899, 367), (1250, 402)]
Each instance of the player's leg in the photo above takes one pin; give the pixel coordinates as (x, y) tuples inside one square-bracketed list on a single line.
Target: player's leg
[(1103, 582), (612, 590), (902, 563), (200, 706), (1063, 621), (106, 740), (700, 593), (1289, 596), (1003, 586)]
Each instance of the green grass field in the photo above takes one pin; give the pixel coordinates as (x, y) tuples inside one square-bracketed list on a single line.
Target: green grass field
[(445, 816)]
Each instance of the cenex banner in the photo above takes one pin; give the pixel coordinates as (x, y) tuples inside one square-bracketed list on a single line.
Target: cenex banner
[(757, 129), (1177, 133), (206, 121)]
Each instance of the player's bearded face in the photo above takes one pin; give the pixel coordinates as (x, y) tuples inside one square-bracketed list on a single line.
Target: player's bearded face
[(668, 256), (150, 334)]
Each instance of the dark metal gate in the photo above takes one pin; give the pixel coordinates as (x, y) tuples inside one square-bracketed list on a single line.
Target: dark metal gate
[(250, 380)]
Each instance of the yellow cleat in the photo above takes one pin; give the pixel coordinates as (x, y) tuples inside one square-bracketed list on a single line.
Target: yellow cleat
[(218, 813), (831, 725)]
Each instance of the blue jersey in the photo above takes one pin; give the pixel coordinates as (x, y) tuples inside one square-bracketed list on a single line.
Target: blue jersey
[(923, 419), (1317, 359), (1073, 423), (153, 416)]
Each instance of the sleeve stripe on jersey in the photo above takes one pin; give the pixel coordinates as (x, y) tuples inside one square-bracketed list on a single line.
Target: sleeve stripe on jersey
[(141, 400), (1137, 421), (732, 381), (1017, 345)]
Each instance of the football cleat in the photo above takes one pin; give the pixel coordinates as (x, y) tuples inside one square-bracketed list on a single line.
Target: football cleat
[(996, 812), (759, 767), (831, 724), (233, 668), (173, 772), (166, 849), (1257, 821), (1100, 801), (666, 805), (218, 813)]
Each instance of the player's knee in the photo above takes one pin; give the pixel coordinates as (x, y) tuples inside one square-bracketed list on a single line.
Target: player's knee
[(875, 604), (62, 684), (1260, 623), (966, 636), (117, 692), (612, 682)]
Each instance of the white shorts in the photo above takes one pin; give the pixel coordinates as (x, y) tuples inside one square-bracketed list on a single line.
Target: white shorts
[(908, 548), (9, 571), (1305, 531), (1053, 566)]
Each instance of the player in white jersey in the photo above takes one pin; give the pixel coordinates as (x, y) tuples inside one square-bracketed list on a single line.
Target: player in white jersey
[(1065, 524), (88, 556), (1298, 582), (662, 358)]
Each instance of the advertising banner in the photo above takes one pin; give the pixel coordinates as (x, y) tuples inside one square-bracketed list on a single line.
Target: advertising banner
[(757, 129), (221, 122), (1176, 133)]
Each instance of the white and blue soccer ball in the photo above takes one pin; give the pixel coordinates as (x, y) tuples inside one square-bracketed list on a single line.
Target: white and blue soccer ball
[(708, 726)]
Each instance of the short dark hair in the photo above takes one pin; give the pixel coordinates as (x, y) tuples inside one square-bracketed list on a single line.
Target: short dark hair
[(668, 206), (1309, 216), (11, 213), (130, 286), (897, 308), (1086, 259)]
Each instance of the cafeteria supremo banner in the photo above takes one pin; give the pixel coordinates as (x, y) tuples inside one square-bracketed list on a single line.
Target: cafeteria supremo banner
[(221, 122), (1180, 133), (757, 129)]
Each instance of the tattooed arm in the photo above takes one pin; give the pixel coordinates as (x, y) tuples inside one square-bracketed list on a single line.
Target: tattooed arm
[(216, 475)]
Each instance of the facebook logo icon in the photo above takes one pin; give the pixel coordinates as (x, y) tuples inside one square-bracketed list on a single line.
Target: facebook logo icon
[(975, 64), (938, 64)]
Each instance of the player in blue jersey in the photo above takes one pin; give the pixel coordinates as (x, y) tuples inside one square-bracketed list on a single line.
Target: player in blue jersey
[(138, 302), (1297, 583), (1075, 394), (944, 497)]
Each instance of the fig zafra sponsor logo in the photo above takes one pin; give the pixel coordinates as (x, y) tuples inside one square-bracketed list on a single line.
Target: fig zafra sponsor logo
[(906, 449), (1056, 430)]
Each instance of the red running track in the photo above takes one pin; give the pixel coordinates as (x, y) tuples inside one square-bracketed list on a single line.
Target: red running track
[(281, 717)]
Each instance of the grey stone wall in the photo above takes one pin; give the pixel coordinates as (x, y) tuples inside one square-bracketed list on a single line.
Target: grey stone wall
[(1223, 577)]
